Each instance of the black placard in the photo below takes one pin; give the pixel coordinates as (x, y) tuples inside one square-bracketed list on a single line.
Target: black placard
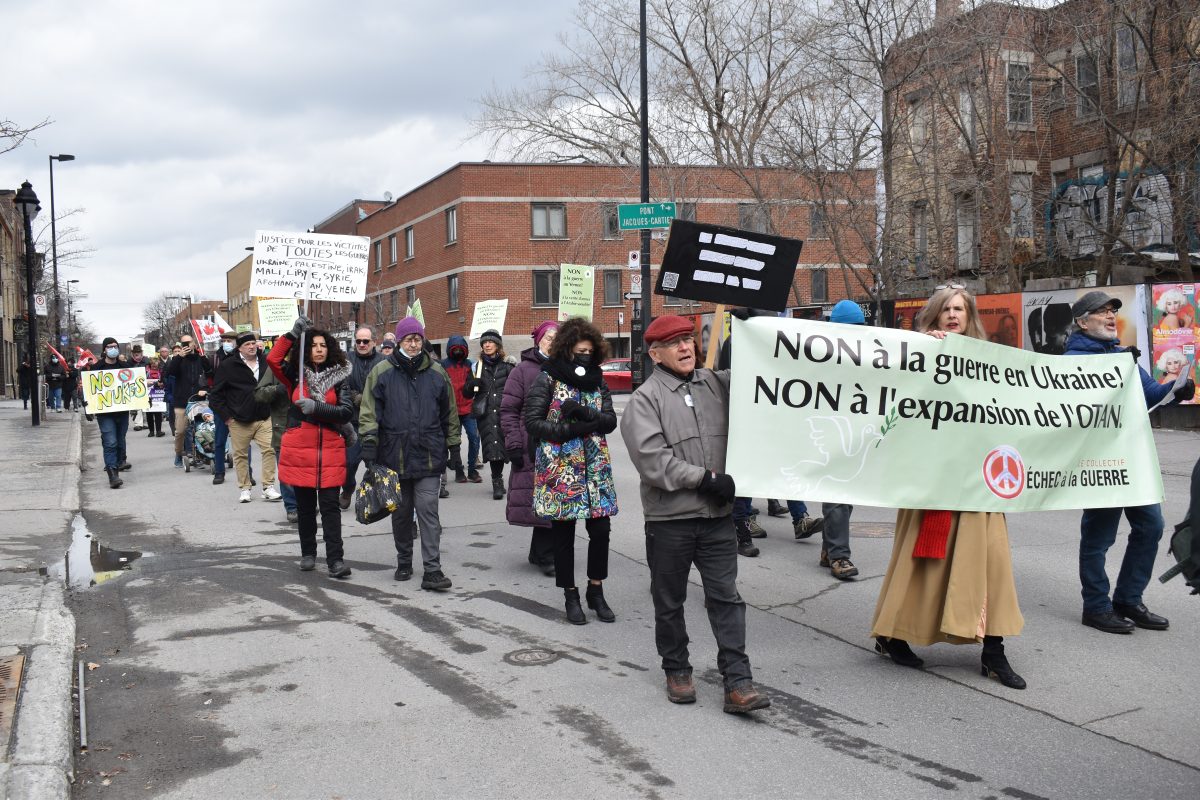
[(728, 265)]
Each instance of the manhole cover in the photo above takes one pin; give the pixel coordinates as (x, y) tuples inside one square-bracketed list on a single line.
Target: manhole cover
[(54, 463), (10, 683), (880, 530), (533, 657)]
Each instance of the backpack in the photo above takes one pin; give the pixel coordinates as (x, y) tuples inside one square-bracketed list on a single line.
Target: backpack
[(1186, 549)]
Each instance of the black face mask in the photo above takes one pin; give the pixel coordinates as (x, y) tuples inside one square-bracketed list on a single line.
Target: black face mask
[(583, 359)]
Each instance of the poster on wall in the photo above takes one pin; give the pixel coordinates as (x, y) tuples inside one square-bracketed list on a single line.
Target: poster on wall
[(1001, 317), (1048, 323), (1174, 333), (904, 313)]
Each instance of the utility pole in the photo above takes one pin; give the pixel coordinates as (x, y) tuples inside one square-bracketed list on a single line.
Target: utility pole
[(641, 308)]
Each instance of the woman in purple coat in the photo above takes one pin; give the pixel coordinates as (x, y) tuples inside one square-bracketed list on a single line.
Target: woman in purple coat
[(519, 509)]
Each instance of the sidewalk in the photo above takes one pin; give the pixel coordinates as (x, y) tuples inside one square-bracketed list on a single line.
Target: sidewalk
[(40, 474)]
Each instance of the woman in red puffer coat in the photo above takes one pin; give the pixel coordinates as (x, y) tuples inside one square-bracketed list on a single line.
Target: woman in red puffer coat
[(312, 452)]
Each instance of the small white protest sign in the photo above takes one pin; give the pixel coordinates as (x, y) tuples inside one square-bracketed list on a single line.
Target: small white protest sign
[(276, 317), (317, 266), (489, 315)]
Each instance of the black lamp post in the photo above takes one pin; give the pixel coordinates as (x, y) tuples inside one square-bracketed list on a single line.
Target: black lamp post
[(54, 249), (70, 318), (26, 203)]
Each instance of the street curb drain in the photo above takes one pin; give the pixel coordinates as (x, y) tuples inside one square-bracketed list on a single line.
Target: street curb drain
[(532, 657), (10, 684)]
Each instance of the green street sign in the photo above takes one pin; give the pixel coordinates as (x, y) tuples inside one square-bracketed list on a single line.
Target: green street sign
[(639, 216)]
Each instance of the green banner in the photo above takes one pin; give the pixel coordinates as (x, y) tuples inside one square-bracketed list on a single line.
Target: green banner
[(416, 312), (576, 291), (873, 416)]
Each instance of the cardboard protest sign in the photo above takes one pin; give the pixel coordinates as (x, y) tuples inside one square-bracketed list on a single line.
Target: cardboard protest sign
[(318, 266), (727, 265), (416, 312), (489, 315), (276, 316), (121, 389), (576, 291), (843, 413)]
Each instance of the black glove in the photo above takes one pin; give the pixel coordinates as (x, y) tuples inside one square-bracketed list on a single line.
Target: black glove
[(1186, 392), (516, 458), (281, 390), (572, 410), (368, 452), (1137, 354), (719, 485), (455, 460), (741, 313), (302, 324), (576, 429)]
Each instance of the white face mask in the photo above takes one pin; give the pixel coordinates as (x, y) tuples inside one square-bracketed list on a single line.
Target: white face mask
[(227, 347), (112, 352)]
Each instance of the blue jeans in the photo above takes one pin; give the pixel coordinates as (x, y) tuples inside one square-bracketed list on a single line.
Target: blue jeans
[(741, 508), (289, 496), (470, 426), (112, 436), (55, 399), (353, 459), (798, 508), (1098, 531), (220, 444)]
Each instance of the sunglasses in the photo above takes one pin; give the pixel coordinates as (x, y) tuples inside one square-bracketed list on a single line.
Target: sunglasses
[(362, 341), (949, 286)]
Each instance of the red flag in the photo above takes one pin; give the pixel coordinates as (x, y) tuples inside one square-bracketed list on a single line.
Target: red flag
[(60, 358)]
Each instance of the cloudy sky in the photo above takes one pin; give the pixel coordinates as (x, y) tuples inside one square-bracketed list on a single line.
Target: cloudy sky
[(196, 122)]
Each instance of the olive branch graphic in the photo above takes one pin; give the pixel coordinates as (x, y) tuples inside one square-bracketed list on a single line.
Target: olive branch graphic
[(889, 422)]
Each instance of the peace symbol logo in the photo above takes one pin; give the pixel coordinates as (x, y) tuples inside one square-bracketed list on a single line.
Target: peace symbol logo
[(1004, 472), (125, 375)]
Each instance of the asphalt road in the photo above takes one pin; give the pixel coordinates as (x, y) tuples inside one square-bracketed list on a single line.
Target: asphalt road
[(222, 671)]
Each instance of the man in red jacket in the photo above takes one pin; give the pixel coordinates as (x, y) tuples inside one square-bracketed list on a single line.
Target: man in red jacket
[(459, 367)]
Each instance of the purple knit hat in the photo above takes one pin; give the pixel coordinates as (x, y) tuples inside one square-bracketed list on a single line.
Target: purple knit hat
[(541, 329), (407, 327)]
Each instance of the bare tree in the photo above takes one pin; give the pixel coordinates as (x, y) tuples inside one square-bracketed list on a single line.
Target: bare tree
[(159, 314), (13, 135)]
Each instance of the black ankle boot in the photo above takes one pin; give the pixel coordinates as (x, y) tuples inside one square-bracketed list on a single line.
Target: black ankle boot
[(898, 651), (994, 664), (575, 614), (497, 488), (114, 479), (596, 602)]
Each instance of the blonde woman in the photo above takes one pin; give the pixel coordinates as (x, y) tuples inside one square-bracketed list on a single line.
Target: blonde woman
[(950, 576), (1170, 364), (1176, 313)]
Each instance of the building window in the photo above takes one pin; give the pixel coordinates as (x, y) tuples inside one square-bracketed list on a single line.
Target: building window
[(1128, 83), (451, 225), (452, 293), (612, 225), (918, 123), (1020, 193), (968, 119), (410, 242), (549, 220), (820, 286), (920, 216), (818, 225), (685, 211), (378, 256), (545, 287), (967, 239), (1088, 83), (395, 305), (612, 287), (754, 217), (1020, 93), (410, 296)]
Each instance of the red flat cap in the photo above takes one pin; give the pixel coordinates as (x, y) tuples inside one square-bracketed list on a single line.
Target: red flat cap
[(667, 327)]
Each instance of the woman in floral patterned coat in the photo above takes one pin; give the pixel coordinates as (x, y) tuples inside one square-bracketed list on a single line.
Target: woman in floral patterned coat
[(568, 412)]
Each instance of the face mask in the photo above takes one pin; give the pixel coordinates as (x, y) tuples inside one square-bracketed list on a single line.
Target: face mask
[(404, 355), (227, 347), (112, 352), (583, 359)]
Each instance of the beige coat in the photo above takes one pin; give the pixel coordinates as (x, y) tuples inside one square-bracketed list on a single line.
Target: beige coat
[(957, 599)]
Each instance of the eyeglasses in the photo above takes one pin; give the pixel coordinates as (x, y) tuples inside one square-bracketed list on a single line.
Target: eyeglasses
[(949, 286), (362, 341), (412, 339), (1107, 311)]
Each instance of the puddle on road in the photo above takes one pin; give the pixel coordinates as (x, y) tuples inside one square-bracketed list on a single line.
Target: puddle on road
[(88, 562)]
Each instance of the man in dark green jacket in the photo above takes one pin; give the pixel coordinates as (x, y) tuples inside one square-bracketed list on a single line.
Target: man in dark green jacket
[(407, 419)]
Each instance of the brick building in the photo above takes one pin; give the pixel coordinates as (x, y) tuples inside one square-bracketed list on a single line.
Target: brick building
[(12, 293), (482, 231), (1042, 141)]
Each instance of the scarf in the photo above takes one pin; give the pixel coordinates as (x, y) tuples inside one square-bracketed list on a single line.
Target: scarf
[(932, 535), (320, 381), (585, 379)]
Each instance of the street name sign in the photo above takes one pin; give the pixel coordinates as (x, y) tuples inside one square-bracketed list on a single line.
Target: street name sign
[(639, 216)]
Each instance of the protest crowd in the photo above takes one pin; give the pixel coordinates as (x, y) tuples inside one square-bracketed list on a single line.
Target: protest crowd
[(381, 428)]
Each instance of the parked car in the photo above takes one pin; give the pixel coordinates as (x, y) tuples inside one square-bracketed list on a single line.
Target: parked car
[(617, 375)]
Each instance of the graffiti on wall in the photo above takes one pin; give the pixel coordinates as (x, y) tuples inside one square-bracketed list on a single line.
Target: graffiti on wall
[(1079, 214)]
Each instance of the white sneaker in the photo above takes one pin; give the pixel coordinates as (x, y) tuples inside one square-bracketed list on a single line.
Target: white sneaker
[(271, 493), (245, 496)]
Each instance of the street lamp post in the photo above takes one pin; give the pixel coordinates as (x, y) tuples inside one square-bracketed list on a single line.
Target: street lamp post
[(70, 317), (27, 203), (54, 249)]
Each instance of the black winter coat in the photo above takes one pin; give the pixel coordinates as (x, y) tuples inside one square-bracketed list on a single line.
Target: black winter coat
[(232, 396), (191, 375), (488, 392)]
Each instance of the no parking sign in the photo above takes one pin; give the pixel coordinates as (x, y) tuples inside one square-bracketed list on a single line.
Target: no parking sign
[(39, 305)]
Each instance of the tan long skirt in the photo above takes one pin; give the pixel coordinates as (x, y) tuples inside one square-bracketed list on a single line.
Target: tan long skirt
[(958, 599)]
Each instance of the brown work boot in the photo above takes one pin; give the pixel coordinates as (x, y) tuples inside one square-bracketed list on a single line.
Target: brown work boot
[(744, 698), (680, 687), (843, 569)]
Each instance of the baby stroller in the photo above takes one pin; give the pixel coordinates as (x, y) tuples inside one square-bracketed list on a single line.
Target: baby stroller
[(200, 435)]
